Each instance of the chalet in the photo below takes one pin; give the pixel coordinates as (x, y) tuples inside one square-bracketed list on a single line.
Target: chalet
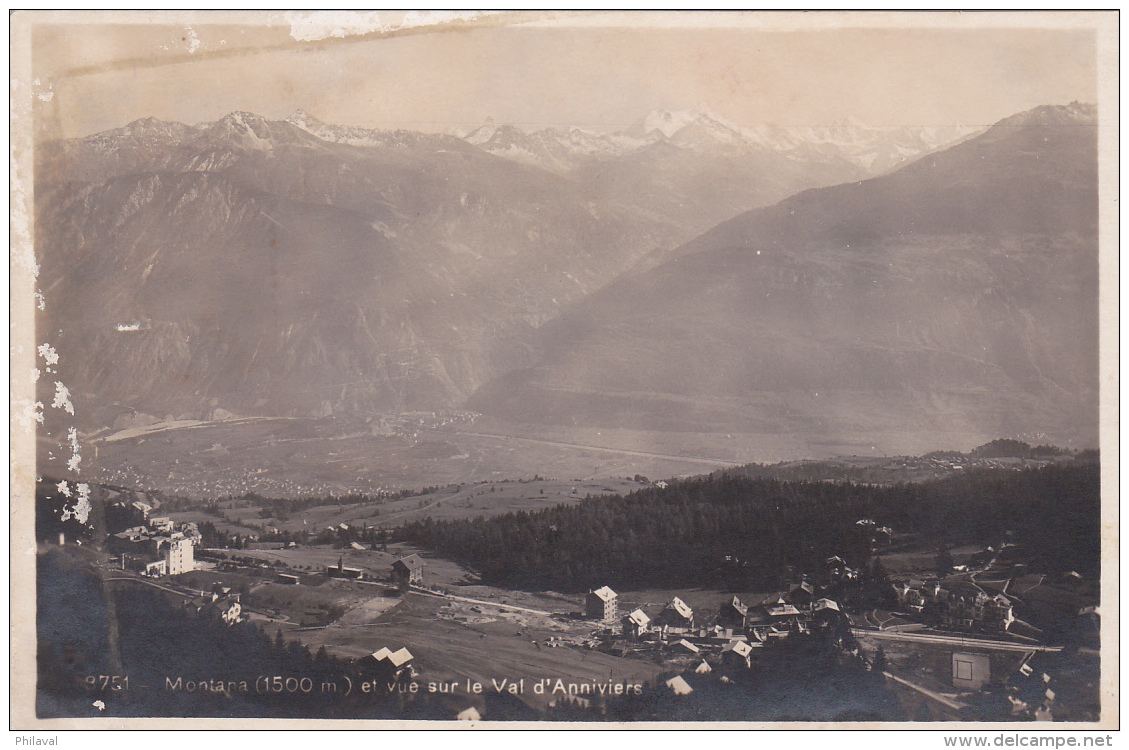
[(679, 686), (215, 606), (966, 606), (781, 612), (703, 668), (737, 654), (388, 664), (826, 612), (408, 571), (192, 532), (684, 646), (602, 604), (636, 624), (197, 604), (340, 571), (997, 613), (288, 579), (143, 508), (909, 598), (677, 614), (230, 611), (733, 614), (801, 595)]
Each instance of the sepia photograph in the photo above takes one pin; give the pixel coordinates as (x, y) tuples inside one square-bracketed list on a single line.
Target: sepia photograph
[(454, 369)]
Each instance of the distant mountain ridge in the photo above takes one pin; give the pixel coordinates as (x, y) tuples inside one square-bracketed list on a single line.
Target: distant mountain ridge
[(280, 273), (955, 294), (874, 150), (295, 268)]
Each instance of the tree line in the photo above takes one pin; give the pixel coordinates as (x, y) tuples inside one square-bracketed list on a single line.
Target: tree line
[(739, 531)]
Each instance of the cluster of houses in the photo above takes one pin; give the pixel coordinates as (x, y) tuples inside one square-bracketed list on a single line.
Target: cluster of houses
[(732, 634), (158, 546), (961, 605)]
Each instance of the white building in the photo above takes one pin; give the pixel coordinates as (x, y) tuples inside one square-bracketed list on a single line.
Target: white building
[(179, 556)]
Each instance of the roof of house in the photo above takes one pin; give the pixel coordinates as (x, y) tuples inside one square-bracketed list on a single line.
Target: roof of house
[(401, 657), (737, 605), (703, 668), (784, 610), (395, 658), (680, 607), (605, 593), (639, 617), (741, 648), (964, 589), (803, 586), (679, 685), (468, 714), (826, 604), (686, 645), (756, 617), (773, 599), (411, 562)]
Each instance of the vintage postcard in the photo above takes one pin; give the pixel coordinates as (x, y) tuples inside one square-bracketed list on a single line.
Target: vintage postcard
[(442, 369)]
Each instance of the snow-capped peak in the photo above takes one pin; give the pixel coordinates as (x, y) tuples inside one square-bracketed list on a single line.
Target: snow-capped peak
[(304, 120), (666, 122)]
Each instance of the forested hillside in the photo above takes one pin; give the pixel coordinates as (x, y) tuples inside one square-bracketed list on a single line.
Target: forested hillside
[(741, 531)]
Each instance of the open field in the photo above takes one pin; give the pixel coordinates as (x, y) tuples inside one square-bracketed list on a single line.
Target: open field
[(285, 457), (483, 499), (456, 644)]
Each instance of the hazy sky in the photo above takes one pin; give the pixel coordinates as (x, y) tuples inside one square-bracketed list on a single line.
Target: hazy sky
[(93, 77)]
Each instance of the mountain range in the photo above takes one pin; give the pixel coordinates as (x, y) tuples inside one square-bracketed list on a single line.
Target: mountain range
[(685, 273), (958, 293)]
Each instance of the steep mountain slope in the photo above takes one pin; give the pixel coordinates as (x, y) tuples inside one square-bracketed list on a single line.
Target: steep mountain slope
[(957, 294), (249, 265)]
